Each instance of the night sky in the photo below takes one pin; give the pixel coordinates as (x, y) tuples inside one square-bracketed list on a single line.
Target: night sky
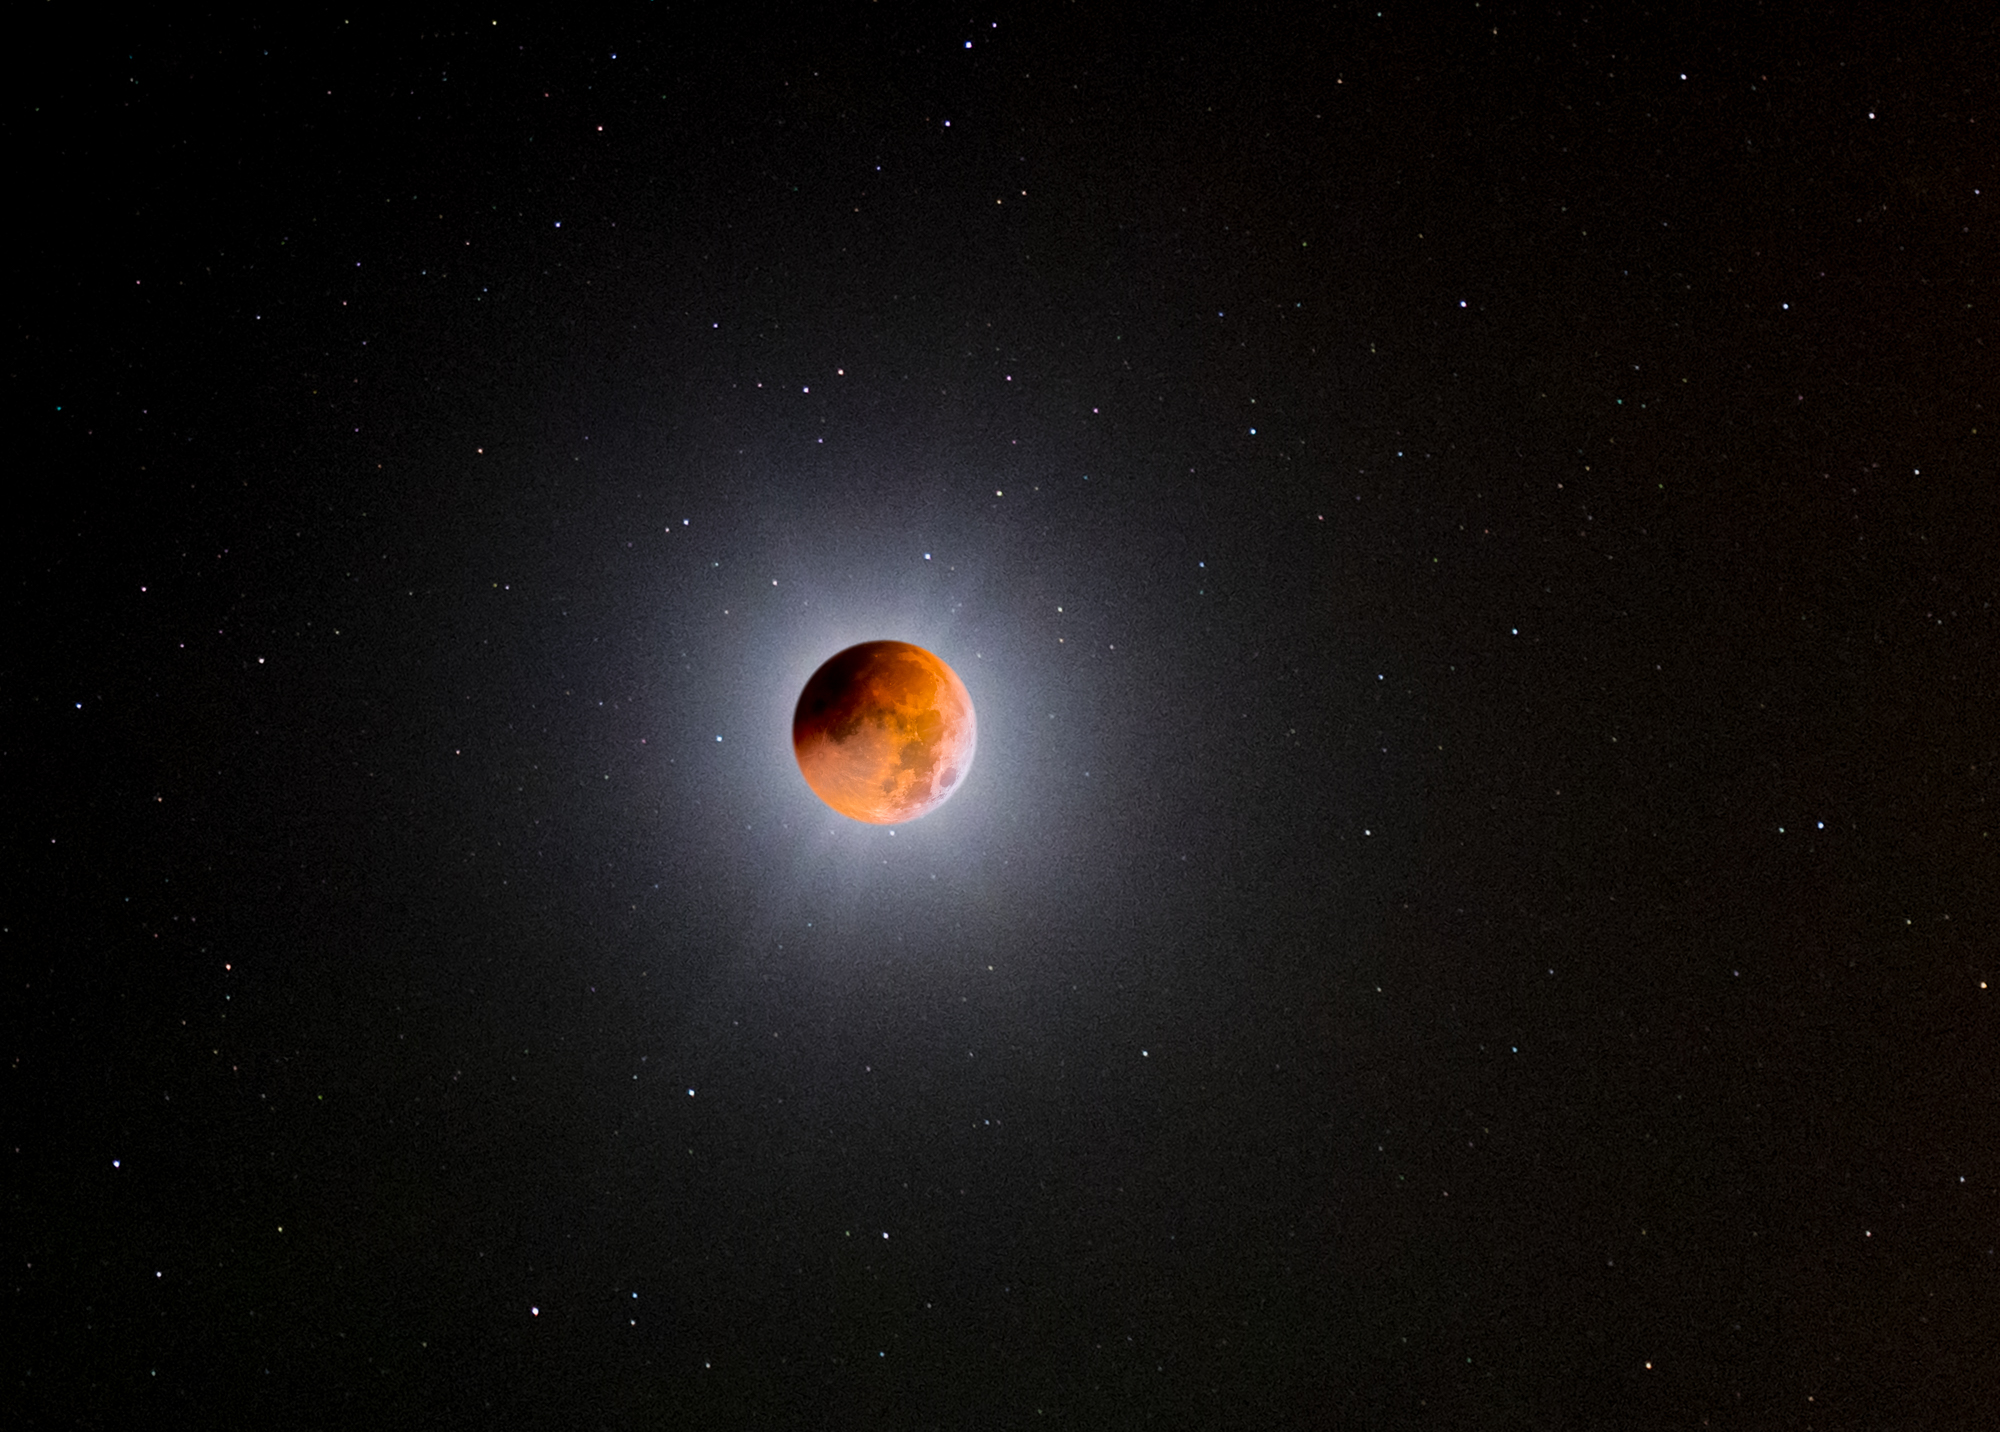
[(1474, 537)]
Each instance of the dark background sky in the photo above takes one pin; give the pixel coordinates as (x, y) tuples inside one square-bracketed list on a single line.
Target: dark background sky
[(1472, 533)]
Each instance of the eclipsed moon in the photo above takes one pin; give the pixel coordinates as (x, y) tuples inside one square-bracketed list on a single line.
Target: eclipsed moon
[(884, 732)]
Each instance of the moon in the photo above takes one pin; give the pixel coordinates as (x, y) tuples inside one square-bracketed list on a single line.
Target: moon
[(884, 732)]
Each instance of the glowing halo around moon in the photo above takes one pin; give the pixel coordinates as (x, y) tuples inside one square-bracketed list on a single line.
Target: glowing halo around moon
[(884, 732)]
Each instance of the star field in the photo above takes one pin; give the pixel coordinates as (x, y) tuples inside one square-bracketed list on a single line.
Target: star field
[(1470, 536)]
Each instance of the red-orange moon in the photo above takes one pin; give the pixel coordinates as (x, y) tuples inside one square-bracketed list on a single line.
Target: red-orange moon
[(884, 732)]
